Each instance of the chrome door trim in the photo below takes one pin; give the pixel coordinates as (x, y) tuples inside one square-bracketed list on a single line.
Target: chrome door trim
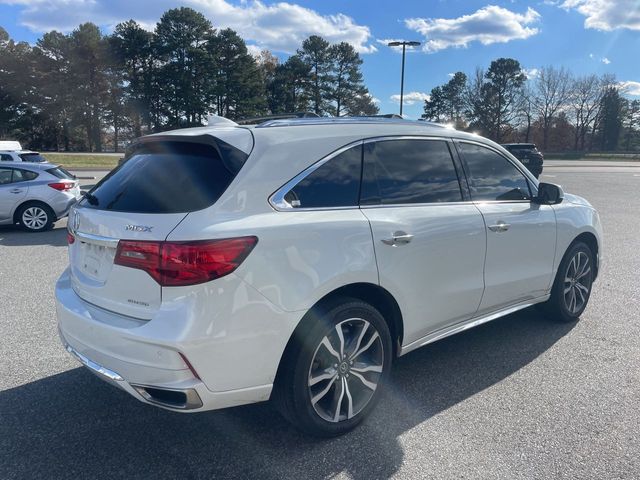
[(470, 323)]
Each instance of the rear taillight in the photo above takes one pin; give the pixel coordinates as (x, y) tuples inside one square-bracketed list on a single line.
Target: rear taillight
[(173, 264), (70, 237), (62, 186)]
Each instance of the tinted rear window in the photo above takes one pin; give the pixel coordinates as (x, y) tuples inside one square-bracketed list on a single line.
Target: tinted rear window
[(334, 184), (32, 157), (61, 173), (164, 177)]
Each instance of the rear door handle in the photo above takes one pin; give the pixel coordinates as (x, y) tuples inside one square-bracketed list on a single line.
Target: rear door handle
[(499, 227), (398, 238), (16, 190)]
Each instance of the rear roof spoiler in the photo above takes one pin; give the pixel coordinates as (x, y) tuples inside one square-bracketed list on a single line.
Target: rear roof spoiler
[(231, 156)]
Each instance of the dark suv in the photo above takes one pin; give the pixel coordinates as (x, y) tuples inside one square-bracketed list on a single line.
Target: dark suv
[(528, 154)]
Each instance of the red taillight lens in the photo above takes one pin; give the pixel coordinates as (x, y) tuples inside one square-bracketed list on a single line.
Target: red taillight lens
[(173, 264), (62, 186), (70, 237)]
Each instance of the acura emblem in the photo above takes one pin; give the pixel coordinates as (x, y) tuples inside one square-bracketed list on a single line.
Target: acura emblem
[(76, 221)]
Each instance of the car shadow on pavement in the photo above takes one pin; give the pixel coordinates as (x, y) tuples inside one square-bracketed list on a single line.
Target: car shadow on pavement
[(74, 425), (14, 236)]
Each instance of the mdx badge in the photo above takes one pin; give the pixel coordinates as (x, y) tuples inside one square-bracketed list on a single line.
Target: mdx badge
[(138, 228)]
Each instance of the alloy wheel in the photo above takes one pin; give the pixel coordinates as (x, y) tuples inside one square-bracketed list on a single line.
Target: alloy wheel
[(345, 370), (35, 218), (577, 283)]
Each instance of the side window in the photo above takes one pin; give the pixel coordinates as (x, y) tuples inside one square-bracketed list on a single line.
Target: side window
[(336, 183), (409, 171), (23, 175), (491, 176), (5, 175), (5, 157)]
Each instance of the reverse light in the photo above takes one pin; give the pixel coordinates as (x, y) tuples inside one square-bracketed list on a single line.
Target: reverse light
[(62, 186), (174, 264)]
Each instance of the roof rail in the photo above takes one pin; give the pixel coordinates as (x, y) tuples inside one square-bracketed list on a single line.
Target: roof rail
[(279, 116)]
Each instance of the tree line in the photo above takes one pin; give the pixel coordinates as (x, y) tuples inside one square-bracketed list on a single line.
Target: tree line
[(555, 109), (89, 91)]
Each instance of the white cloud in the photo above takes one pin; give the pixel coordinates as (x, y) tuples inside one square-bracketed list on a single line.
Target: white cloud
[(605, 60), (607, 14), (410, 98), (254, 50), (531, 72), (279, 27), (490, 24), (631, 88)]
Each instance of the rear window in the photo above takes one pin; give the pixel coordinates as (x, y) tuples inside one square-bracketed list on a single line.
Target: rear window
[(61, 173), (32, 157), (165, 177)]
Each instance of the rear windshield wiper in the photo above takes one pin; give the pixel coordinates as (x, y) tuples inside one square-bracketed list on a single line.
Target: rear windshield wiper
[(92, 199)]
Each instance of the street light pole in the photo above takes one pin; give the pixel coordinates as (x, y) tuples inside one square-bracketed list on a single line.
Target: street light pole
[(404, 46)]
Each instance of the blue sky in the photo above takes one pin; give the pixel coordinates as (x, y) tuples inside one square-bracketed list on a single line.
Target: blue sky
[(585, 36)]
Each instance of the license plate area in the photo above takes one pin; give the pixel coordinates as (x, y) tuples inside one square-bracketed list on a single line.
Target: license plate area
[(95, 260)]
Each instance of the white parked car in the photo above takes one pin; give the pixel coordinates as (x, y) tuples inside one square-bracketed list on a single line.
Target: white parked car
[(13, 152), (35, 195), (294, 261)]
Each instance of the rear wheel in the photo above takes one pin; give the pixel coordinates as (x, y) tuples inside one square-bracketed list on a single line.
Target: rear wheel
[(572, 287), (335, 369), (35, 217)]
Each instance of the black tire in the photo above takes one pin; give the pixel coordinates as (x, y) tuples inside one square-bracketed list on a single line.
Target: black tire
[(559, 306), (293, 392), (42, 210)]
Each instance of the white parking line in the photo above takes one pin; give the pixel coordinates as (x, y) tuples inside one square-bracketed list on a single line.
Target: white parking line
[(550, 176)]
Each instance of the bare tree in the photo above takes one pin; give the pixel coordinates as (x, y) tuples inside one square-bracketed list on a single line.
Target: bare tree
[(525, 112), (551, 95), (584, 102)]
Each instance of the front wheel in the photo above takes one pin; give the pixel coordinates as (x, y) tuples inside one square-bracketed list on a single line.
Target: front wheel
[(572, 287), (335, 369)]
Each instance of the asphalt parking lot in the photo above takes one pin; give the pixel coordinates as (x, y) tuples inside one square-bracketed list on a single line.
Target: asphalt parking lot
[(516, 398)]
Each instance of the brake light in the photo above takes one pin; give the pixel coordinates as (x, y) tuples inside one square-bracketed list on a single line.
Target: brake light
[(70, 237), (173, 264), (62, 186)]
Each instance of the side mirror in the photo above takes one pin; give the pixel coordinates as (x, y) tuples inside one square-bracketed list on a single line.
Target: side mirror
[(549, 194)]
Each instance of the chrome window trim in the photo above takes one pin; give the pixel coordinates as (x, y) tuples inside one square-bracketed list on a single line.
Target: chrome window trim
[(277, 200), (440, 204), (278, 203)]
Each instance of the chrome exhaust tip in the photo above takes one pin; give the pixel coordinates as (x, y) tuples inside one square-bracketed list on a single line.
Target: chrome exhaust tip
[(175, 399)]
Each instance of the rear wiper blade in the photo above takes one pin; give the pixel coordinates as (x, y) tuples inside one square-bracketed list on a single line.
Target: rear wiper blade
[(92, 199)]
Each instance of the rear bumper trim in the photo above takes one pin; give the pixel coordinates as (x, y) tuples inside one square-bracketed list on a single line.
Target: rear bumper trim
[(93, 366)]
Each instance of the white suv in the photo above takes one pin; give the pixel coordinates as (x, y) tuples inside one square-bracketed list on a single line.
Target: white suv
[(293, 261)]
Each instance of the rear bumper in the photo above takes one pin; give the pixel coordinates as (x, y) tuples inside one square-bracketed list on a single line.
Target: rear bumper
[(61, 203), (144, 358), (170, 398)]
